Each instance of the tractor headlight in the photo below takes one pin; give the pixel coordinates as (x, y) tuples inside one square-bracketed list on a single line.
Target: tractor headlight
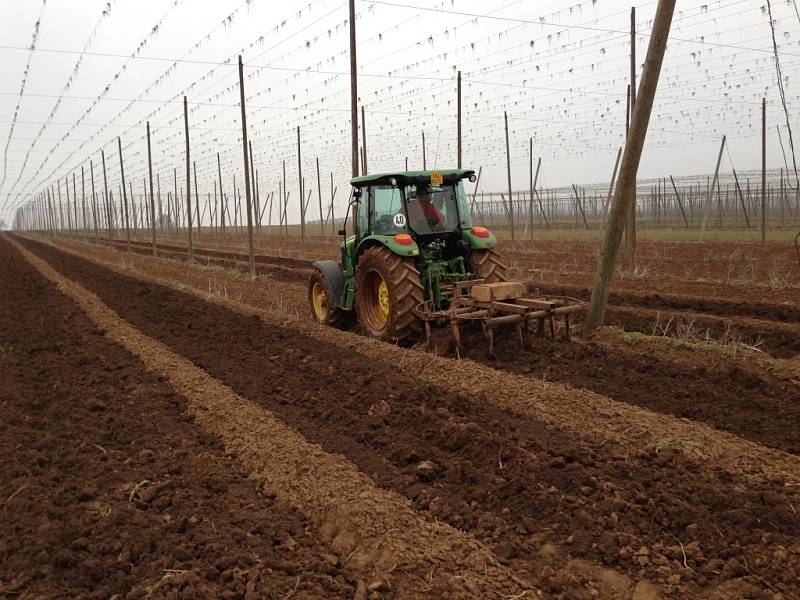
[(393, 182), (472, 178)]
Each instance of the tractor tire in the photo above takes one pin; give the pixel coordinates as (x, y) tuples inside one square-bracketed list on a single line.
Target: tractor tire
[(388, 289), (318, 302), (486, 264)]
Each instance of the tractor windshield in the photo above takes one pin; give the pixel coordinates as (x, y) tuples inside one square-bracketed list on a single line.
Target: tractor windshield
[(435, 209)]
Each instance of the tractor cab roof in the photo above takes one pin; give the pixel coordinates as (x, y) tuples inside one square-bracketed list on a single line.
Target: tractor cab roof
[(403, 178)]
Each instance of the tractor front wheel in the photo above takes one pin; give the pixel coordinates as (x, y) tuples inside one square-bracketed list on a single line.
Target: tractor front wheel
[(486, 265), (388, 288), (318, 301)]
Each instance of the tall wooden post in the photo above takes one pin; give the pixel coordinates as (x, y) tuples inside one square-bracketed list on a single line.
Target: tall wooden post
[(353, 92), (364, 144), (188, 177), (680, 203), (631, 229), (710, 196), (424, 158), (319, 197), (459, 122), (94, 202), (253, 187), (763, 172), (508, 172), (530, 199), (221, 197), (69, 214), (83, 200), (630, 164), (124, 196), (198, 224), (285, 199), (248, 197), (152, 196), (302, 199), (333, 218), (105, 194)]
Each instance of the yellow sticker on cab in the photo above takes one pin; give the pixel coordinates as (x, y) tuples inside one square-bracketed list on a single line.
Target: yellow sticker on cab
[(436, 178)]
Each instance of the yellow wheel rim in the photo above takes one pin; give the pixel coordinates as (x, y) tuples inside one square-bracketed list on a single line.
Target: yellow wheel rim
[(319, 301), (383, 300)]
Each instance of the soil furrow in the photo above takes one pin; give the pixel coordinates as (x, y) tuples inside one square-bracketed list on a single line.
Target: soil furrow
[(754, 403), (544, 498), (375, 533), (101, 502)]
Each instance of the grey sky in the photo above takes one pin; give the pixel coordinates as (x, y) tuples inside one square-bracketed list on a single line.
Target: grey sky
[(559, 69)]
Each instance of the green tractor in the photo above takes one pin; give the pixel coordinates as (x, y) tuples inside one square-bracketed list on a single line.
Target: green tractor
[(412, 244)]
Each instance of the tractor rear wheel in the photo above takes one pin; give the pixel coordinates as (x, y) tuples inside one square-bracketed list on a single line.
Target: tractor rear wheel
[(318, 301), (388, 288), (486, 264)]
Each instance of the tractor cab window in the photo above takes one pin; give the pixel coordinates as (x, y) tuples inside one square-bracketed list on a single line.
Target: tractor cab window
[(432, 209), (361, 215), (386, 204)]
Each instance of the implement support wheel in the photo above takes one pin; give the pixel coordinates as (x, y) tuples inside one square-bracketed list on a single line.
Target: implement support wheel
[(388, 288)]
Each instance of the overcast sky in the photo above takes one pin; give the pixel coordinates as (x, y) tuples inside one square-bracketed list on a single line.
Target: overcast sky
[(559, 69)]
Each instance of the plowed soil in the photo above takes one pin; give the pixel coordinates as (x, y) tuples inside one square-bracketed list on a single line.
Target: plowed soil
[(549, 504), (760, 312), (722, 390), (110, 490)]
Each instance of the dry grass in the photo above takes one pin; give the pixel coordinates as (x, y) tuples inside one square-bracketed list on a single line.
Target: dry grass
[(686, 330)]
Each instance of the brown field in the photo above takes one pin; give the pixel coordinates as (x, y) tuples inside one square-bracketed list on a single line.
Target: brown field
[(174, 429)]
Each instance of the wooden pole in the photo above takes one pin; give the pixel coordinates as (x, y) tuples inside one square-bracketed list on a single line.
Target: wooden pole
[(83, 200), (69, 214), (424, 158), (630, 164), (105, 193), (611, 185), (333, 217), (221, 198), (680, 204), (364, 144), (530, 203), (247, 191), (319, 197), (254, 196), (459, 125), (631, 237), (300, 179), (94, 202), (152, 196), (124, 197), (188, 177), (580, 206), (741, 198), (198, 223), (353, 92), (285, 198), (763, 172), (710, 196), (508, 172)]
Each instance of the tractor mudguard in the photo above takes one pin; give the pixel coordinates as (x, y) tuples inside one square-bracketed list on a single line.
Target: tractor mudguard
[(391, 243), (335, 281), (479, 243)]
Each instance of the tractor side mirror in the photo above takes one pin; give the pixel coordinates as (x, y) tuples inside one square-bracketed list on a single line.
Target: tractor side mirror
[(342, 232)]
